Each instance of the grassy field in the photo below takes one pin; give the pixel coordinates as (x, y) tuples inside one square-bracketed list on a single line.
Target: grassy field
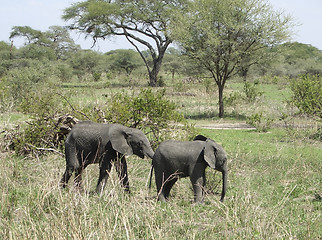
[(274, 189)]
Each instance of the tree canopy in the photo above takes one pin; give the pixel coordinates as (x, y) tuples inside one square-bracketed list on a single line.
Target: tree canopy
[(56, 38), (144, 23), (226, 36), (123, 60)]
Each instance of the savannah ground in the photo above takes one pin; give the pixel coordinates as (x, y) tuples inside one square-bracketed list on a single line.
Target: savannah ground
[(274, 181)]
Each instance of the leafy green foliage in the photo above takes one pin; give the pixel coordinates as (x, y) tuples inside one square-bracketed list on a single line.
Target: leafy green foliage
[(233, 99), (22, 82), (56, 39), (223, 35), (262, 124), (38, 134), (123, 60), (251, 91), (248, 94), (43, 129), (290, 59), (41, 53), (87, 62), (307, 94), (149, 110), (136, 20)]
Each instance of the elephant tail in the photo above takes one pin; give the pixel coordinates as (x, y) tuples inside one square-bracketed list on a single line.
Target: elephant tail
[(150, 178)]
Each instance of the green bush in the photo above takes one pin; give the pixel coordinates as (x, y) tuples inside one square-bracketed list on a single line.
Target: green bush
[(43, 131), (261, 123), (233, 99), (41, 102), (251, 91), (307, 94), (19, 82), (148, 110), (39, 134), (208, 84), (317, 135)]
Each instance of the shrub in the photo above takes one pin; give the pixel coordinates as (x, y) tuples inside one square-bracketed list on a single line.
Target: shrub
[(96, 76), (233, 99), (41, 102), (251, 91), (208, 84), (149, 110), (46, 128), (307, 94), (261, 123), (161, 82), (21, 81), (317, 135)]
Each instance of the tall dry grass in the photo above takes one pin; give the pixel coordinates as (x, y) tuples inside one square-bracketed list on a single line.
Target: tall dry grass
[(273, 193)]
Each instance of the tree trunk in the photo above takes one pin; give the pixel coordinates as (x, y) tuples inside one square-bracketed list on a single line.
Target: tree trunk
[(244, 73), (153, 78), (157, 62), (153, 74), (221, 101)]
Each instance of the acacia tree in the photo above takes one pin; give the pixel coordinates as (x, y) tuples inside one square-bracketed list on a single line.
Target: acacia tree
[(56, 38), (61, 41), (142, 22), (226, 36), (31, 35)]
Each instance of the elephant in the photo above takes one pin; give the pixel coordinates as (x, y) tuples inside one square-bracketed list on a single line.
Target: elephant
[(177, 159), (90, 142)]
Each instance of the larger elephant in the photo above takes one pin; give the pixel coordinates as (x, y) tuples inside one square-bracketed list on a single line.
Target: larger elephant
[(176, 159), (90, 142)]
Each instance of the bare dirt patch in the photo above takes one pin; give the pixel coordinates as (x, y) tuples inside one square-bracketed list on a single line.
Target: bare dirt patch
[(235, 126)]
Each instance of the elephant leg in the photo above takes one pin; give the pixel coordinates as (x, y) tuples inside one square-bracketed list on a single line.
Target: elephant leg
[(78, 179), (198, 190), (198, 181), (167, 187), (164, 182), (71, 162), (121, 169), (66, 176), (105, 168), (159, 181)]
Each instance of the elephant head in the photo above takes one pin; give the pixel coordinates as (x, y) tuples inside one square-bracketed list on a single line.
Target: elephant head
[(129, 141), (216, 158)]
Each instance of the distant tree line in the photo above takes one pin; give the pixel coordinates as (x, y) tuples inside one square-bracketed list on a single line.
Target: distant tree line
[(53, 54)]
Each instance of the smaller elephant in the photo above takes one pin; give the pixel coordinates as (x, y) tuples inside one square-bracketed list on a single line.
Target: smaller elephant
[(175, 159), (90, 142)]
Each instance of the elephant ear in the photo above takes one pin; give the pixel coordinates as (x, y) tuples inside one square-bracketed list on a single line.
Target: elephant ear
[(200, 138), (118, 136), (210, 154)]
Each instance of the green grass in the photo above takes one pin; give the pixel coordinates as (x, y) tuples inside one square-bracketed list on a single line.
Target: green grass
[(274, 193), (274, 182)]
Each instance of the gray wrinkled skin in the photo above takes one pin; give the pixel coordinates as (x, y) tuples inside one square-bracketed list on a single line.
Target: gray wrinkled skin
[(90, 142), (175, 159)]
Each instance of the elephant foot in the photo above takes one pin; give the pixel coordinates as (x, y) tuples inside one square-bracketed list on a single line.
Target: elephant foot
[(62, 185), (161, 198)]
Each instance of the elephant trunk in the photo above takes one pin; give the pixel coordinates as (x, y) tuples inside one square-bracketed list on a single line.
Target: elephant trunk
[(224, 184), (149, 152)]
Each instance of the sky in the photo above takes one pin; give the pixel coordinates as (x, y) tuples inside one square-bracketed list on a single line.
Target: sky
[(41, 14)]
